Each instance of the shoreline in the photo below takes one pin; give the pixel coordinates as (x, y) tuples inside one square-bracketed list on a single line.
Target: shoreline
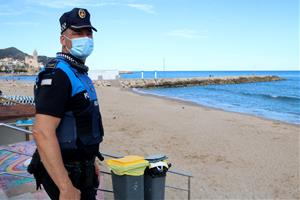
[(29, 83), (17, 74), (187, 102)]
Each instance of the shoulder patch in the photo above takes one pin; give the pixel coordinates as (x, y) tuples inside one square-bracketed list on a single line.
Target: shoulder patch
[(46, 81)]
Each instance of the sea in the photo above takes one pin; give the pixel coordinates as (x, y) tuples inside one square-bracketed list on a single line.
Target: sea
[(278, 100)]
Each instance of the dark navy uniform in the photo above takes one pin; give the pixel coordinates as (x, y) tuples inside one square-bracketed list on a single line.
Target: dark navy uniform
[(64, 90)]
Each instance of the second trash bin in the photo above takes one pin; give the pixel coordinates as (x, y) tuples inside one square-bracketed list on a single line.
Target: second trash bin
[(128, 177), (155, 177)]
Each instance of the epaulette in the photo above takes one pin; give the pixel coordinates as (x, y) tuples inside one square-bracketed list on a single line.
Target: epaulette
[(51, 64)]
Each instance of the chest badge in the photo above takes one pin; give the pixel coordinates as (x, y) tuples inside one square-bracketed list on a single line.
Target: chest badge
[(86, 95)]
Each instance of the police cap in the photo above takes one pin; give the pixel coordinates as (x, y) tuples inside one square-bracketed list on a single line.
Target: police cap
[(77, 18)]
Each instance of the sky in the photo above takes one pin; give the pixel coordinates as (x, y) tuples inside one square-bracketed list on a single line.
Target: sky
[(200, 35)]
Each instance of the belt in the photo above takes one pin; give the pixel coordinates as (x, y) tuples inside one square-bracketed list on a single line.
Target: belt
[(79, 162)]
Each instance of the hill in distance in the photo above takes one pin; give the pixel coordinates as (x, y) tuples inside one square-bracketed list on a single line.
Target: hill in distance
[(17, 54)]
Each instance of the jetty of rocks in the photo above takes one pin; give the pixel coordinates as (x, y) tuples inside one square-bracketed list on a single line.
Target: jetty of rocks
[(183, 82)]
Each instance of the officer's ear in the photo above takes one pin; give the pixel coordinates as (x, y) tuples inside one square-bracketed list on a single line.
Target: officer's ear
[(62, 40)]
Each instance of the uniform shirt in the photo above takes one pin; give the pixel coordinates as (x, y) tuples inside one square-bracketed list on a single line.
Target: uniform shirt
[(53, 97)]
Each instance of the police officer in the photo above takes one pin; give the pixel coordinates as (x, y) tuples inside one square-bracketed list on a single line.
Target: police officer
[(68, 128)]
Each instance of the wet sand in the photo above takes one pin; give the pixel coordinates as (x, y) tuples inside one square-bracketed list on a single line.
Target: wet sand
[(230, 155)]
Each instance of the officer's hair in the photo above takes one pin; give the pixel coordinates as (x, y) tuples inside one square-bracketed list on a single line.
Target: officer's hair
[(66, 31)]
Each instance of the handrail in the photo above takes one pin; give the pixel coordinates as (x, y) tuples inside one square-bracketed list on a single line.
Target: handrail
[(111, 155), (182, 173), (16, 128), (176, 188)]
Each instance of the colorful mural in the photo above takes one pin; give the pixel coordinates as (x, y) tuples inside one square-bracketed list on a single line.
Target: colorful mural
[(13, 172), (13, 169)]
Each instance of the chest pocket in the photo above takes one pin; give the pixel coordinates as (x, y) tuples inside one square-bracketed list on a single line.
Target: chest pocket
[(89, 125), (66, 132)]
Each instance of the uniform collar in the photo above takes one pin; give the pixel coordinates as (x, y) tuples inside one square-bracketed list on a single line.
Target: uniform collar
[(73, 61)]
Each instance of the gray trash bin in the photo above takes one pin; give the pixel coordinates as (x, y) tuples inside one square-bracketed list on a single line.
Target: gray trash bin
[(128, 187), (128, 177), (155, 178)]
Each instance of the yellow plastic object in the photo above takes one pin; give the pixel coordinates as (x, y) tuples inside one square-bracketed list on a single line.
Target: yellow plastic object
[(127, 160), (129, 165)]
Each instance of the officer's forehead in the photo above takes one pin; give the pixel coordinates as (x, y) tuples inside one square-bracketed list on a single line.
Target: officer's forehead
[(82, 30)]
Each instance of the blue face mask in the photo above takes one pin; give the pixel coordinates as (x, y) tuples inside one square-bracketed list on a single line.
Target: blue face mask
[(81, 47)]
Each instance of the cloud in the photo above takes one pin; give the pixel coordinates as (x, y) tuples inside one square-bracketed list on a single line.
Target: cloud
[(59, 3), (188, 33), (11, 12), (71, 3), (92, 3), (143, 7), (8, 11), (20, 23)]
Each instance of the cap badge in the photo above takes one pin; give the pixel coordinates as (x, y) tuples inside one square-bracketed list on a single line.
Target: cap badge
[(81, 13)]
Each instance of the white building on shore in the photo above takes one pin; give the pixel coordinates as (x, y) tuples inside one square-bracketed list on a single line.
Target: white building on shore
[(104, 74)]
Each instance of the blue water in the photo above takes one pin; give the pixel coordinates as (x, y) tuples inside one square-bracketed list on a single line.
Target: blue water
[(278, 100), (190, 74), (19, 78)]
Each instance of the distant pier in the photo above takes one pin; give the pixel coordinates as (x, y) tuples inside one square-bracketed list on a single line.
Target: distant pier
[(183, 82)]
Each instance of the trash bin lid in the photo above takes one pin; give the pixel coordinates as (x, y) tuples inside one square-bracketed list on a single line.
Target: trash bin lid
[(128, 165), (156, 158), (127, 161)]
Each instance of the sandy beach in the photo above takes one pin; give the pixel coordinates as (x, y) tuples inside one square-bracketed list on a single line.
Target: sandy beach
[(230, 155)]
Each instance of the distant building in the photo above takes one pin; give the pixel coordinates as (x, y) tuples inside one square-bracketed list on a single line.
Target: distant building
[(104, 74), (10, 64), (32, 62), (2, 68)]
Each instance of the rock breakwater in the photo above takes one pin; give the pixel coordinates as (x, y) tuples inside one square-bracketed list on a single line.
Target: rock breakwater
[(183, 82)]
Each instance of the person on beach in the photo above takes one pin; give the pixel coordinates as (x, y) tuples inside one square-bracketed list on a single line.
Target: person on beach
[(68, 128)]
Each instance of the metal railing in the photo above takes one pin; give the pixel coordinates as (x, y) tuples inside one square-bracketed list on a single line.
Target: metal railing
[(16, 128), (181, 173), (176, 172)]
